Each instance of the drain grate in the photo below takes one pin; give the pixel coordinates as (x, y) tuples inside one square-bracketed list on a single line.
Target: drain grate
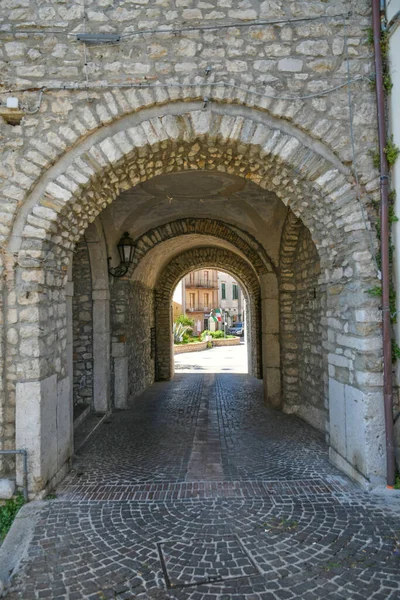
[(200, 560)]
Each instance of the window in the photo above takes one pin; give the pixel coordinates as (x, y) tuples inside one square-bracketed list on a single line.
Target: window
[(223, 291), (191, 300), (206, 276), (235, 291), (205, 300)]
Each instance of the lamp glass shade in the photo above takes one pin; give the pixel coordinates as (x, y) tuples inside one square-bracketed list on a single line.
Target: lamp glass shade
[(126, 248)]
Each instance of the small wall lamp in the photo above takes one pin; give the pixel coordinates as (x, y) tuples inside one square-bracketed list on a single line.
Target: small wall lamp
[(126, 250)]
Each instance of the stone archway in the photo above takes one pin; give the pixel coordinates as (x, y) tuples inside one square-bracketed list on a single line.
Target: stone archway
[(244, 242), (198, 258), (306, 175)]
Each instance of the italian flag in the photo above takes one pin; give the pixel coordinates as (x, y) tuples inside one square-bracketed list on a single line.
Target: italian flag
[(216, 315)]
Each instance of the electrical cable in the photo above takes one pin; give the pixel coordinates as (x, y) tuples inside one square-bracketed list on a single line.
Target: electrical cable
[(177, 30), (27, 111), (144, 85), (354, 155)]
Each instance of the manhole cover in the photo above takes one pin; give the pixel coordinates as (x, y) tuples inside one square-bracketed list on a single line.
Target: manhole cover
[(196, 561)]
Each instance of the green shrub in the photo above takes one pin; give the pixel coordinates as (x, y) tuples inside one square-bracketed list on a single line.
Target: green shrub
[(204, 334), (185, 320), (217, 334), (392, 151), (8, 512)]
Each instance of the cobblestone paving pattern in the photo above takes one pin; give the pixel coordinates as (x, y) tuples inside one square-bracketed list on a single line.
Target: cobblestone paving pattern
[(132, 520)]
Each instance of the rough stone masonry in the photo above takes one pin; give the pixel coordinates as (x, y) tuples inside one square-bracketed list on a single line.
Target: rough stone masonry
[(264, 103)]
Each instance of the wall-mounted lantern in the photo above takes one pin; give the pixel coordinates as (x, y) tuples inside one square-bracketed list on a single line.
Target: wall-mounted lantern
[(126, 250)]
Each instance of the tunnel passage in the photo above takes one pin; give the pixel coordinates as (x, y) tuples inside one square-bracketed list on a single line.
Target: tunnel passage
[(163, 190), (140, 322)]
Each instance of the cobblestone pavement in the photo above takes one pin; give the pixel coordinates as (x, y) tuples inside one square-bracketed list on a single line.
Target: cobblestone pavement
[(199, 492)]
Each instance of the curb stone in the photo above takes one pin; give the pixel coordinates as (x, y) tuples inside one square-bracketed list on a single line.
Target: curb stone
[(17, 541)]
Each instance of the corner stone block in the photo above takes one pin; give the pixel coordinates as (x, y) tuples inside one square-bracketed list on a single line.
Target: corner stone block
[(121, 382), (36, 429), (270, 316), (357, 433), (64, 422), (7, 489), (337, 416), (272, 388), (269, 286), (271, 350)]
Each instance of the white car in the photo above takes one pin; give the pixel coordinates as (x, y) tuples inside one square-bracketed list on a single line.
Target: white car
[(236, 329)]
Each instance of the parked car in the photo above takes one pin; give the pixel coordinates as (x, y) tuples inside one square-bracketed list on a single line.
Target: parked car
[(236, 329)]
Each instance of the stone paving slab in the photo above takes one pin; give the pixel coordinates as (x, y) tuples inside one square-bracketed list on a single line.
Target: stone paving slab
[(132, 522), (159, 492)]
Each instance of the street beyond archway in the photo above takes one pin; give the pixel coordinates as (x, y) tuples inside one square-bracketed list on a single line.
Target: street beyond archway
[(200, 492), (226, 359)]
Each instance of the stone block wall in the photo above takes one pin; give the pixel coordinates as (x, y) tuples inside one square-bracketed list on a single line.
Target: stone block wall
[(82, 319), (302, 334), (194, 347), (309, 335), (132, 321)]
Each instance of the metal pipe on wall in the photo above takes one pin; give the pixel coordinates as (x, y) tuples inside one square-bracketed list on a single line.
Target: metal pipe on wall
[(385, 268)]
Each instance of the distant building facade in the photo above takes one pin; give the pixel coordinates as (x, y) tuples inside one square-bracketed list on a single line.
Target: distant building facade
[(230, 298), (200, 291)]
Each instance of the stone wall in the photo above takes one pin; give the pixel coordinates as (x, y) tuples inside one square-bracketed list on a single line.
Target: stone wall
[(132, 324), (277, 114), (82, 319), (311, 359), (301, 313), (228, 342), (192, 347)]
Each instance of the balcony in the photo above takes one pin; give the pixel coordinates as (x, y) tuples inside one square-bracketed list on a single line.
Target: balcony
[(198, 309), (201, 283)]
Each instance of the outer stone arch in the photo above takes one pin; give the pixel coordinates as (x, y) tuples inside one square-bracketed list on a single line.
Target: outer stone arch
[(198, 258), (306, 175)]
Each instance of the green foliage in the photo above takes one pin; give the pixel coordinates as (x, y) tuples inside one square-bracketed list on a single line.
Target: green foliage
[(8, 512), (209, 345), (204, 334), (179, 331), (392, 151), (387, 82), (370, 35), (395, 351), (217, 334), (384, 45), (185, 320), (376, 161), (375, 291), (214, 334), (392, 216), (397, 482)]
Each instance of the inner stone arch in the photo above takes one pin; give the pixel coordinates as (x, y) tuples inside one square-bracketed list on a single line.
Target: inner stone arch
[(223, 260)]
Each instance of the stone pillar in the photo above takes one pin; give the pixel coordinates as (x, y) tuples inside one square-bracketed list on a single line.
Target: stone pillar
[(164, 340), (270, 340), (120, 357), (69, 294), (101, 350)]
